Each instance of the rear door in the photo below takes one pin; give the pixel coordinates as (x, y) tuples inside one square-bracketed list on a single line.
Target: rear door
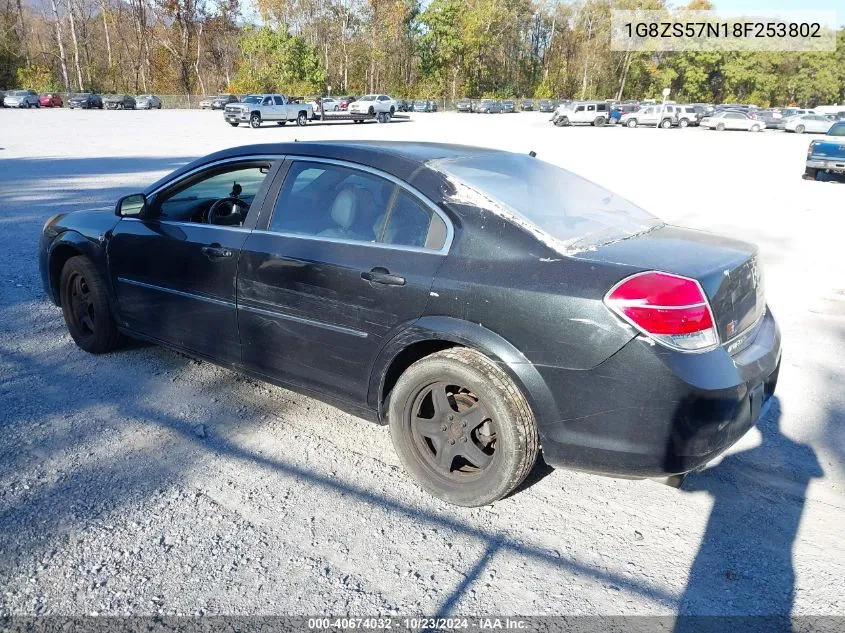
[(345, 259)]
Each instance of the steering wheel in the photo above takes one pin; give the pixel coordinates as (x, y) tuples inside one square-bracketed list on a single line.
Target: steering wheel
[(214, 216)]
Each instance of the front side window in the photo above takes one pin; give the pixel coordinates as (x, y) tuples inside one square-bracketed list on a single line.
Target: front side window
[(335, 202), (192, 200), (278, 100)]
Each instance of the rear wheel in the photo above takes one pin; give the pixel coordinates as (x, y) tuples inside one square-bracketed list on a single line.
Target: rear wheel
[(683, 123), (85, 306), (233, 123), (255, 120), (281, 122), (462, 427), (811, 174), (666, 124), (800, 129), (599, 121), (302, 119), (631, 123), (720, 127)]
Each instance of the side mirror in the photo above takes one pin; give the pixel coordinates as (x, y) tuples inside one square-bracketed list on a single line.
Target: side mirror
[(131, 206)]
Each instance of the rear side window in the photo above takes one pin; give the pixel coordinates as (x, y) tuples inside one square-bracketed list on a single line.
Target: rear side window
[(278, 101), (336, 202)]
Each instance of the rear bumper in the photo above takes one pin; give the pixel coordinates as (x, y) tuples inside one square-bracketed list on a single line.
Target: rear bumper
[(835, 165), (652, 412)]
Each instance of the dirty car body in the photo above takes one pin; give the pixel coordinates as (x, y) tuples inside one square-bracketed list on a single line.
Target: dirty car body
[(554, 293)]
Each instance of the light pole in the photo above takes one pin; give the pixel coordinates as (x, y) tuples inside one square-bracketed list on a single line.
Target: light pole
[(666, 92)]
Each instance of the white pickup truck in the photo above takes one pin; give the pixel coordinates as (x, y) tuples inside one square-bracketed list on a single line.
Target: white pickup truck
[(255, 109)]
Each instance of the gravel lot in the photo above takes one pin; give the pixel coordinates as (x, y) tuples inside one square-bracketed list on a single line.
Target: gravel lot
[(146, 482)]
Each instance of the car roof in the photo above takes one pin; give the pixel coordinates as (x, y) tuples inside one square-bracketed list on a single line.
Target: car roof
[(398, 158)]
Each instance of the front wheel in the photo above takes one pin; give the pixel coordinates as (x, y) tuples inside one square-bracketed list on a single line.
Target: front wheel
[(255, 120), (85, 306), (462, 428), (666, 124), (754, 128), (631, 123), (800, 129), (720, 127), (281, 123), (683, 123)]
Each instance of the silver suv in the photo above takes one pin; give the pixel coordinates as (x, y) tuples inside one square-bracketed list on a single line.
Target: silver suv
[(21, 99)]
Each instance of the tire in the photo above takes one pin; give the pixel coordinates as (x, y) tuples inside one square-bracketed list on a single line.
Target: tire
[(302, 119), (85, 306), (255, 120), (499, 431), (371, 112), (811, 174), (720, 127), (799, 129), (335, 109), (666, 124), (754, 128), (234, 123), (281, 123), (562, 122), (683, 123), (632, 123), (392, 111), (599, 122)]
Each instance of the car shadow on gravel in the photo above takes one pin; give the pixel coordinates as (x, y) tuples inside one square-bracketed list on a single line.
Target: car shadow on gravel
[(744, 563), (102, 475)]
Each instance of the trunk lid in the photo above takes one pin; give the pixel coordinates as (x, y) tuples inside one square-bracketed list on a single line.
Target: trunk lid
[(829, 149), (728, 270)]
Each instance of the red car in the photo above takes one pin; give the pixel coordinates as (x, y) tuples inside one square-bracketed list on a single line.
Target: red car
[(50, 100), (345, 101)]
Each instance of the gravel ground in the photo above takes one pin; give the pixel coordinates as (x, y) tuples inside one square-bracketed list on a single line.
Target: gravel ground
[(145, 482)]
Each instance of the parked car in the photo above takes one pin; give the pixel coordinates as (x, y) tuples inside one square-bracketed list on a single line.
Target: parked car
[(790, 112), (372, 105), (488, 106), (85, 101), (345, 101), (205, 102), (688, 115), (770, 116), (147, 102), (527, 105), (425, 105), (463, 105), (653, 115), (827, 154), (546, 105), (221, 101), (619, 109), (256, 109), (733, 120), (404, 105), (581, 112), (348, 280), (508, 105), (21, 99), (325, 104), (813, 123), (119, 102), (50, 100)]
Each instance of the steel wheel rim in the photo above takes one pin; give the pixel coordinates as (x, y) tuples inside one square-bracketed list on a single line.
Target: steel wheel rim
[(452, 432), (82, 310)]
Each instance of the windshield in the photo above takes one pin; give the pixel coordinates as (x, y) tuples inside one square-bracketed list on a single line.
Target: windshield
[(79, 95), (252, 99), (19, 93), (223, 96), (367, 98), (566, 207)]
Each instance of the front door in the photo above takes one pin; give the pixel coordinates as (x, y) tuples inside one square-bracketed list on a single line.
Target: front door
[(347, 259), (175, 271)]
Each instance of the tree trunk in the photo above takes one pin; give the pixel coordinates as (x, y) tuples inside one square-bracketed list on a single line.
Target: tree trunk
[(197, 61), (62, 56), (626, 65), (106, 29), (75, 41)]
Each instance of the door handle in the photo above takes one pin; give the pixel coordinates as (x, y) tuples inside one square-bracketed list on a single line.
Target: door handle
[(215, 251), (380, 275)]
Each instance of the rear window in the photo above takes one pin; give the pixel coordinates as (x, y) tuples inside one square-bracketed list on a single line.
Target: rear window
[(838, 129), (575, 212)]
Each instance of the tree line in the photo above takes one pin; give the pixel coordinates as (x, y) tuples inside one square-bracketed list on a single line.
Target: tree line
[(409, 48)]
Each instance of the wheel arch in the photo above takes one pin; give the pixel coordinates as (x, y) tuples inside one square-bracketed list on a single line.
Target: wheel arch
[(431, 334), (68, 244)]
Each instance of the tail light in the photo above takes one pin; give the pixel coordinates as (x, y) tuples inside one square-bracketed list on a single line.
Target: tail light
[(670, 309)]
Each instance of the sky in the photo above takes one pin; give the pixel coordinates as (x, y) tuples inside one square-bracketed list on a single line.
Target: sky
[(784, 5)]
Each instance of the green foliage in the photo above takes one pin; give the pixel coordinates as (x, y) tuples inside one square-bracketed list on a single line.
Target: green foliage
[(274, 60), (38, 78)]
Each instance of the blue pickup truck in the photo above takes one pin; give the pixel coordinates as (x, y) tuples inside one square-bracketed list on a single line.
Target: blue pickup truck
[(827, 154)]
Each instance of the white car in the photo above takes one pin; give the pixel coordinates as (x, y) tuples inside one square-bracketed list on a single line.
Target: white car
[(663, 115), (732, 120), (817, 123), (327, 104), (373, 104), (589, 112)]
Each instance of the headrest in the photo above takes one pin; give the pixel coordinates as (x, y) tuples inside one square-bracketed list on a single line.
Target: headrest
[(343, 209)]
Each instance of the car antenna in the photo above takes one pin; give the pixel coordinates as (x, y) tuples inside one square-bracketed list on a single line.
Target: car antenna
[(532, 154)]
